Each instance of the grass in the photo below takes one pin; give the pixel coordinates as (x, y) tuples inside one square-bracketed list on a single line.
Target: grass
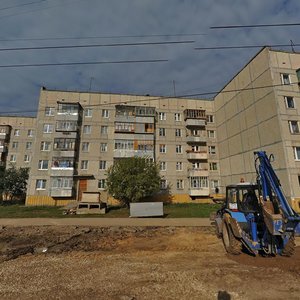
[(187, 210)]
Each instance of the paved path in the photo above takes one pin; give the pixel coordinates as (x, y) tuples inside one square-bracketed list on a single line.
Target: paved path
[(107, 222)]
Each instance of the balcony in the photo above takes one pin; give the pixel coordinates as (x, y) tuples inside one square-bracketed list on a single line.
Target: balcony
[(198, 173), (196, 139), (61, 192), (61, 171), (195, 122), (121, 153), (63, 153), (65, 134), (200, 191), (197, 155)]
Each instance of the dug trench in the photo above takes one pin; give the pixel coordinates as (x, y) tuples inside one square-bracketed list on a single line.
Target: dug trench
[(63, 262)]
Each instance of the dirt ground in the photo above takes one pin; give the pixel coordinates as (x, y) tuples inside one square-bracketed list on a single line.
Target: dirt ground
[(68, 262)]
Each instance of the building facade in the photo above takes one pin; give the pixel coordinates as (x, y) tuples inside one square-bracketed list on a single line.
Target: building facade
[(200, 145), (80, 135), (259, 109)]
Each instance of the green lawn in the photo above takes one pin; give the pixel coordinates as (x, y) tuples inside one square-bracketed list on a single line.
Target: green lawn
[(189, 210)]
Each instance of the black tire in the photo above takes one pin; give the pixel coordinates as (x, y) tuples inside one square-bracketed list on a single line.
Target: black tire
[(289, 248), (231, 243)]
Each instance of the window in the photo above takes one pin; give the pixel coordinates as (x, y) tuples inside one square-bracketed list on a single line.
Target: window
[(85, 146), (214, 184), (105, 113), (178, 149), (197, 182), (62, 162), (162, 148), (294, 127), (15, 145), (88, 112), (163, 166), (162, 116), (40, 184), (177, 132), (45, 146), (213, 166), (124, 127), (297, 153), (17, 132), (49, 111), (68, 109), (103, 147), (178, 166), (162, 131), (87, 129), (179, 184), (210, 119), (177, 117), (102, 184), (43, 164), (66, 126), (48, 128), (13, 158), (30, 132), (84, 164), (124, 144), (196, 166), (103, 129), (212, 150), (62, 183), (28, 145), (289, 102), (163, 184), (285, 79), (102, 165), (211, 134), (26, 158), (64, 144)]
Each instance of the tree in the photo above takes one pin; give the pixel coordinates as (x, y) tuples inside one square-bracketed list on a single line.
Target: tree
[(133, 179), (13, 183)]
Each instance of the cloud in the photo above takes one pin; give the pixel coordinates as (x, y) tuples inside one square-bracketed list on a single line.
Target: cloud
[(192, 71)]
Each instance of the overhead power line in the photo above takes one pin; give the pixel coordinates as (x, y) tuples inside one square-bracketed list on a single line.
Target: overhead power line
[(149, 98), (244, 47), (84, 63), (254, 26), (104, 37), (95, 45), (19, 5)]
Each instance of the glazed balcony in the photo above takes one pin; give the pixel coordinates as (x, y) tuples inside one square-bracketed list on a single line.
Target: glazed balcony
[(61, 192), (122, 153)]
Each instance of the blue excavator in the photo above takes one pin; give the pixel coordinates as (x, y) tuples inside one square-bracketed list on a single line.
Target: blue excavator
[(257, 217)]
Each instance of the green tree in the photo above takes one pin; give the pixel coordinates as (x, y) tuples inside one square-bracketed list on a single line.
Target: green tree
[(13, 183), (133, 179)]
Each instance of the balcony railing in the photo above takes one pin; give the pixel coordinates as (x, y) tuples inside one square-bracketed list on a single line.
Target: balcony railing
[(200, 191), (61, 192), (196, 138), (3, 149), (198, 172), (61, 171), (121, 153), (195, 122), (197, 155)]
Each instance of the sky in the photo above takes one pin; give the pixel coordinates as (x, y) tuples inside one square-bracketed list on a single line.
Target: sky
[(176, 68)]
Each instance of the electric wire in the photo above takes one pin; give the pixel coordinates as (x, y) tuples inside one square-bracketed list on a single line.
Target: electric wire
[(244, 47), (95, 45), (254, 26), (155, 98), (83, 63), (19, 5)]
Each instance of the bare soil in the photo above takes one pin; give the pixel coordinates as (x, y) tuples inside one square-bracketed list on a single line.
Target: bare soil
[(68, 262)]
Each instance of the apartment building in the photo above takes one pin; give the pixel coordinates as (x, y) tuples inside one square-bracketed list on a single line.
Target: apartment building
[(80, 135), (259, 109), (17, 135)]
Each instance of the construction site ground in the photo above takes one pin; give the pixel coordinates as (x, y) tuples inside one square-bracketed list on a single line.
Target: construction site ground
[(136, 262)]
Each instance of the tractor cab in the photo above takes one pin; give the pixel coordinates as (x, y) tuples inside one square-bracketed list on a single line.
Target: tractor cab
[(242, 197)]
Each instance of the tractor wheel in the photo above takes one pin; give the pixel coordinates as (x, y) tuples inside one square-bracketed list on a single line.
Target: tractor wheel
[(231, 243), (289, 248)]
